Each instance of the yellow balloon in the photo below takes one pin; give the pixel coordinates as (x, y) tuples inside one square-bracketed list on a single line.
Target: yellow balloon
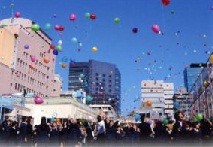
[(211, 59), (94, 49)]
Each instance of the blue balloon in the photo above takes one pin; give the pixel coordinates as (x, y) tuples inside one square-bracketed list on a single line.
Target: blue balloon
[(137, 117), (55, 52)]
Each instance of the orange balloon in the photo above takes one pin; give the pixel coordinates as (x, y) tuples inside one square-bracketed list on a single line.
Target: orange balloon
[(63, 65), (211, 59), (46, 60), (57, 120), (149, 103)]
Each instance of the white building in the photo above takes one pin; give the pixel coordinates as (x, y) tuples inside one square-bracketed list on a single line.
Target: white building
[(160, 95)]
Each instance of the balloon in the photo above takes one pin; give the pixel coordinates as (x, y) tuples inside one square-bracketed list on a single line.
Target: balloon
[(81, 76), (38, 100), (52, 46), (93, 16), (33, 58), (165, 2), (165, 121), (57, 120), (60, 42), (205, 83), (46, 60), (199, 116), (211, 8), (90, 118), (63, 65), (176, 104), (55, 52), (149, 103), (58, 48), (135, 30), (52, 119), (94, 49), (57, 27), (88, 98), (172, 12), (32, 67), (47, 26), (17, 14), (117, 20), (35, 27), (87, 15), (72, 17), (74, 40), (61, 28), (26, 46), (156, 29), (137, 117), (211, 59), (12, 5)]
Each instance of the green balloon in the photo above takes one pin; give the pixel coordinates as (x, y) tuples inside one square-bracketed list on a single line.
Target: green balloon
[(87, 15), (58, 48), (195, 119), (47, 26), (89, 98), (35, 27), (199, 116), (117, 20), (165, 121)]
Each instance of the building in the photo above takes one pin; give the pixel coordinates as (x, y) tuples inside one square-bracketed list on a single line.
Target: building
[(52, 107), (202, 92), (182, 102), (101, 80), (160, 95), (191, 74), (26, 60)]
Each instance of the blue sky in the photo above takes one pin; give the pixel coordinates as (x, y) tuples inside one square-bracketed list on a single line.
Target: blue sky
[(186, 36)]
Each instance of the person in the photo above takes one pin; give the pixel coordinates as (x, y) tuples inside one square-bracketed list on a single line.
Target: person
[(54, 134), (145, 130), (179, 128), (64, 133), (23, 131), (100, 130)]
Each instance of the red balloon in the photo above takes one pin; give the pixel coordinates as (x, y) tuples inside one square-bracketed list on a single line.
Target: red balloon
[(57, 27), (156, 28), (93, 16), (165, 2), (52, 46), (17, 14), (61, 28)]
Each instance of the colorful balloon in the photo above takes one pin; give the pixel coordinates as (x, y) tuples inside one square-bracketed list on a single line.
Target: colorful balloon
[(55, 52), (156, 28), (165, 121), (88, 98), (94, 49), (52, 46), (135, 30), (46, 60), (35, 27), (17, 14), (165, 2), (93, 16), (87, 15), (117, 20), (149, 103), (33, 58), (26, 46), (199, 116), (47, 26), (63, 65), (72, 17), (211, 58), (58, 48), (74, 40), (38, 100)]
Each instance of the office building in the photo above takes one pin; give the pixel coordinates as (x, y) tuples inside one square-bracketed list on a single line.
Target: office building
[(26, 60), (100, 80)]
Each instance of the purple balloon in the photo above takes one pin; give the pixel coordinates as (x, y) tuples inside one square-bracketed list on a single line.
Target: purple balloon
[(38, 100), (55, 52), (26, 46), (211, 7), (135, 30)]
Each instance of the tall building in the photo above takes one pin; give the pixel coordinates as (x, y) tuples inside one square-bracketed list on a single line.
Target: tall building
[(26, 60), (191, 74), (160, 95), (100, 80)]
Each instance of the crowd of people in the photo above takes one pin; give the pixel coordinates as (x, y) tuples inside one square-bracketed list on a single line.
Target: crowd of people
[(105, 132)]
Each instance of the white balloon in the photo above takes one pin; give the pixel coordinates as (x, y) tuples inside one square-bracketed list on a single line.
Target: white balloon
[(59, 42)]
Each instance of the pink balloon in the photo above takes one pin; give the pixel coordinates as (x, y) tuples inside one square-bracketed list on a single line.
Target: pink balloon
[(57, 27), (17, 14), (33, 58), (72, 17), (156, 29), (38, 100)]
